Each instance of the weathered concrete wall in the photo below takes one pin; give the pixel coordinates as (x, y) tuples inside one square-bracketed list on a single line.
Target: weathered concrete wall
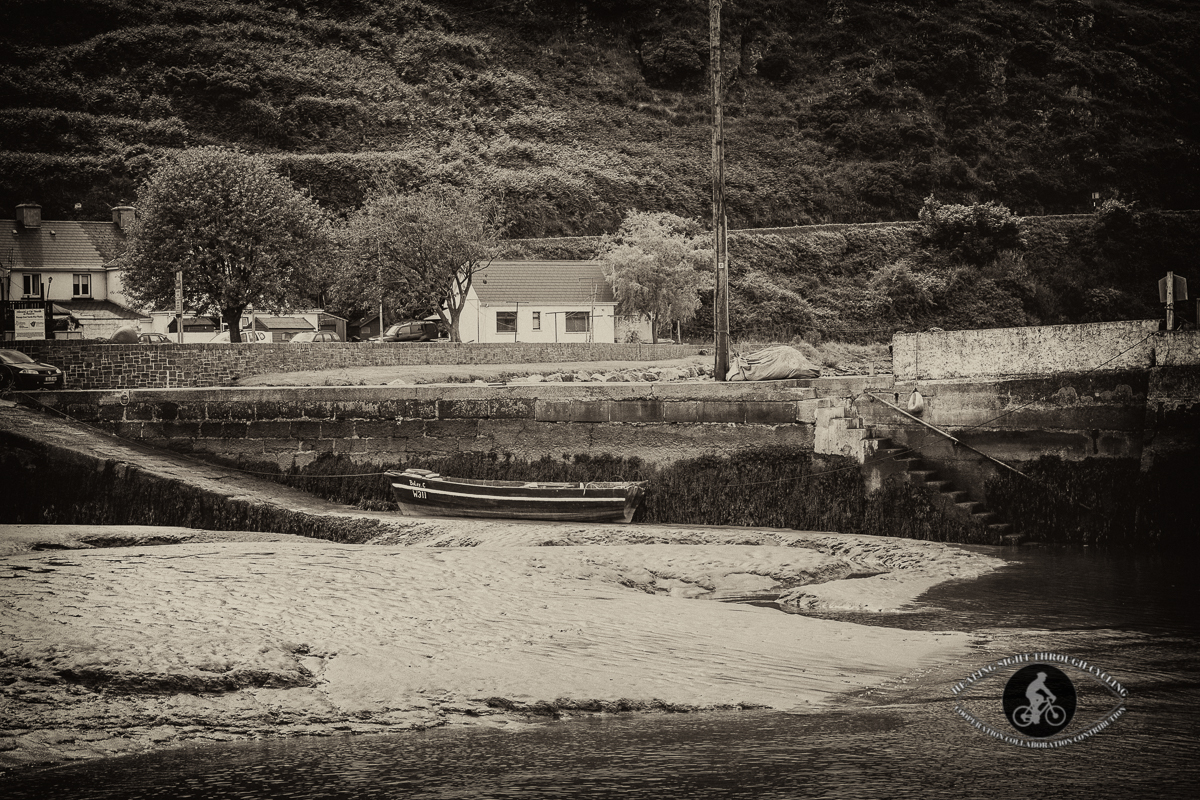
[(91, 365), (1177, 349), (659, 423), (1014, 352), (1073, 416)]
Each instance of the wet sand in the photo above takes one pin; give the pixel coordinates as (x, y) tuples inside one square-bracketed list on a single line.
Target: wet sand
[(178, 636)]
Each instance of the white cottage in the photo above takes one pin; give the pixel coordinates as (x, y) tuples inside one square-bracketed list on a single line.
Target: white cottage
[(544, 301), (73, 265)]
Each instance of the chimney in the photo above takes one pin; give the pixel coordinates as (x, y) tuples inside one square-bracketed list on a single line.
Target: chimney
[(29, 215), (123, 217)]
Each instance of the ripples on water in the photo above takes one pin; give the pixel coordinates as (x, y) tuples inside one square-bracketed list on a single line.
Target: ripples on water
[(1052, 589), (1138, 622)]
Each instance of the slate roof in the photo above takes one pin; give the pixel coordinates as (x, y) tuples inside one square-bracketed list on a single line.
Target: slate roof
[(108, 239), (193, 322), (98, 309), (63, 246), (282, 324), (542, 283)]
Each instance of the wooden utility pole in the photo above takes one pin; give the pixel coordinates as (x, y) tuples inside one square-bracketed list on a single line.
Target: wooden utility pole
[(1171, 290), (721, 294), (1170, 301)]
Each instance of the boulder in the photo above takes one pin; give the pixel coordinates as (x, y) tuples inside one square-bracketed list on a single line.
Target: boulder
[(124, 336)]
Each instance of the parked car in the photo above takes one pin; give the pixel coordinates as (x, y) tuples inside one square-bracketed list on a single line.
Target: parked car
[(153, 338), (412, 330), (19, 371), (248, 337), (315, 337), (409, 330)]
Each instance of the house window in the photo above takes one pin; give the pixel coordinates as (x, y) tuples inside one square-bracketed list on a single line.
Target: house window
[(32, 284), (578, 321), (81, 285), (537, 320), (506, 322)]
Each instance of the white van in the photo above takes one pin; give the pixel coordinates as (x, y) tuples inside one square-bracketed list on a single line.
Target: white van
[(248, 337)]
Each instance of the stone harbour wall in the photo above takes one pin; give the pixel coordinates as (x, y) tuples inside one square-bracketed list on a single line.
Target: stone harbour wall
[(378, 425)]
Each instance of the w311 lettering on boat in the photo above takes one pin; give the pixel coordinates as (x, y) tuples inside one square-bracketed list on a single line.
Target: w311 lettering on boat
[(422, 493)]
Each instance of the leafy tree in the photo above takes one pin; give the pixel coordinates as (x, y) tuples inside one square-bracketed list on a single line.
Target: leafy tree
[(655, 263), (241, 234), (419, 251)]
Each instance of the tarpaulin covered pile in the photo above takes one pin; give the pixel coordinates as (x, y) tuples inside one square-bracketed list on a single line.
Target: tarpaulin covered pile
[(772, 364)]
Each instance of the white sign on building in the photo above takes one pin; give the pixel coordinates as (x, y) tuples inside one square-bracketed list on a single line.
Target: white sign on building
[(29, 323)]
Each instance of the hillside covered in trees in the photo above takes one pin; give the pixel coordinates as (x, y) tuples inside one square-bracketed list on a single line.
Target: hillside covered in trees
[(577, 112)]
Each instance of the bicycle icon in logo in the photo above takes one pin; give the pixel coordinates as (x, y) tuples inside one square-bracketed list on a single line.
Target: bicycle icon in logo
[(1049, 699)]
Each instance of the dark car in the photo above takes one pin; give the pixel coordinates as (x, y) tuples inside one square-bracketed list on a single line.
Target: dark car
[(153, 338), (413, 330), (311, 337), (19, 371)]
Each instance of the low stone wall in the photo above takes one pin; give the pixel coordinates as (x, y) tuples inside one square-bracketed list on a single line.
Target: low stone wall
[(383, 425), (1015, 352), (94, 365)]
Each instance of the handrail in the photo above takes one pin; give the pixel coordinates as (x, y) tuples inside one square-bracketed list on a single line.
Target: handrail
[(941, 432)]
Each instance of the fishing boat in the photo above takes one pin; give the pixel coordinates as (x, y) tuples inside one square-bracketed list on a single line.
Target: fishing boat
[(422, 493)]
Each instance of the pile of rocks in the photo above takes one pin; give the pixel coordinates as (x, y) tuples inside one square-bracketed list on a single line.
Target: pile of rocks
[(638, 375)]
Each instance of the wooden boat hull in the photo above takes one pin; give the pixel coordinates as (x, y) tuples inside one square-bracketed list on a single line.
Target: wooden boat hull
[(422, 494)]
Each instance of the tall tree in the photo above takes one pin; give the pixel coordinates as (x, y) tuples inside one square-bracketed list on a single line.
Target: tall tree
[(417, 252), (242, 234), (656, 265)]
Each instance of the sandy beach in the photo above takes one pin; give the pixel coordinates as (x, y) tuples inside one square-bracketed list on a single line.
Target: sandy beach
[(126, 639)]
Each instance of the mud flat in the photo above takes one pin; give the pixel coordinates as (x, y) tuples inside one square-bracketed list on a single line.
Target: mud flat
[(123, 639)]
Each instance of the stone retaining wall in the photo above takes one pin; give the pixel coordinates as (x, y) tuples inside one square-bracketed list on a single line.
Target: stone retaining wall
[(95, 365), (659, 423)]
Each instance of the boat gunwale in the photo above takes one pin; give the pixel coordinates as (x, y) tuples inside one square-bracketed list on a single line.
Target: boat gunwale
[(508, 484)]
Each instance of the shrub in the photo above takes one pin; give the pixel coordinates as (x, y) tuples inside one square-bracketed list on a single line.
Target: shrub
[(672, 60), (975, 233), (902, 292)]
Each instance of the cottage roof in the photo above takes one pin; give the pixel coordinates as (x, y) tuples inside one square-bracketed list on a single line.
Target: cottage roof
[(63, 246), (542, 282), (108, 239)]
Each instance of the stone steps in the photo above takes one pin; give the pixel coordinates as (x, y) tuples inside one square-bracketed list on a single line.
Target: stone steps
[(919, 471)]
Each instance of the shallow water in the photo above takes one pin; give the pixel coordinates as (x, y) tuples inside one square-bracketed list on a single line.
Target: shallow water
[(1134, 617), (1060, 589)]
